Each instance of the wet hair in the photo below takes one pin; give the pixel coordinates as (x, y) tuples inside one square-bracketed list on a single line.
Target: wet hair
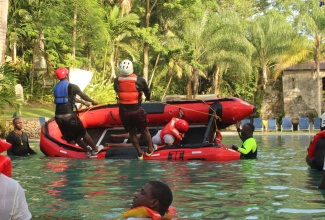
[(163, 194)]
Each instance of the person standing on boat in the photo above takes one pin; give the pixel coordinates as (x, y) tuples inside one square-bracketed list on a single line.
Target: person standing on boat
[(69, 123), (171, 134), (316, 150), (248, 150), (129, 88), (151, 202), (18, 140)]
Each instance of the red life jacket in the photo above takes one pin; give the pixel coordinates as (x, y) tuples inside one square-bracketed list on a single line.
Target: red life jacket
[(144, 212), (5, 162), (312, 145), (5, 165), (170, 129), (127, 90)]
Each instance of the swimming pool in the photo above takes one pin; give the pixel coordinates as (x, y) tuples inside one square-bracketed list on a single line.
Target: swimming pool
[(278, 185)]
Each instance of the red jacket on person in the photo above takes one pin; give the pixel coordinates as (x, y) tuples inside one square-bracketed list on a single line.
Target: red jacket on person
[(170, 129), (312, 145), (127, 90)]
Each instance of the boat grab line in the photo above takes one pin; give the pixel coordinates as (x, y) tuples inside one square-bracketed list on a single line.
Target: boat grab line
[(102, 136)]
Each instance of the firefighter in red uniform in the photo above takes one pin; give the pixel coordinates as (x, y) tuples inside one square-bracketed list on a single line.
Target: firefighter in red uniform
[(129, 88), (172, 133)]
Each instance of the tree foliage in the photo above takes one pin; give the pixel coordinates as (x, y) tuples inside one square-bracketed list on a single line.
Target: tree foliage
[(193, 46)]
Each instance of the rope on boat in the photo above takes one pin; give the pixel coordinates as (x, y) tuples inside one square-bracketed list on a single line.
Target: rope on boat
[(182, 107), (91, 107), (217, 117)]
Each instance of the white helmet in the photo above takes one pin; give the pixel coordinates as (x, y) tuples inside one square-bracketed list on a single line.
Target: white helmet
[(126, 67), (322, 124)]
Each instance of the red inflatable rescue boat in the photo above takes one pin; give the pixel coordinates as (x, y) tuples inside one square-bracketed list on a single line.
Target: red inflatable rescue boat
[(204, 117)]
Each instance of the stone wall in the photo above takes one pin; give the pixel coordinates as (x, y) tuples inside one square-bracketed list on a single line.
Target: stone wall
[(300, 93), (272, 106), (30, 125)]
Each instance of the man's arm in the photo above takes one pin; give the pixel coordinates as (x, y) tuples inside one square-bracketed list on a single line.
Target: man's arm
[(82, 95), (145, 89), (246, 147), (30, 150), (238, 130), (10, 140), (85, 98)]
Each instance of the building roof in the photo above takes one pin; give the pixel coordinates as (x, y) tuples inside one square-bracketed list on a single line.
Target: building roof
[(309, 65)]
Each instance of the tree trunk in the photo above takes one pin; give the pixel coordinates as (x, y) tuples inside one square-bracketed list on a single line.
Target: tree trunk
[(317, 56), (39, 61), (14, 51), (74, 34), (112, 62), (195, 82), (104, 65), (146, 44), (189, 91), (4, 4), (215, 84), (264, 76), (170, 80), (153, 71)]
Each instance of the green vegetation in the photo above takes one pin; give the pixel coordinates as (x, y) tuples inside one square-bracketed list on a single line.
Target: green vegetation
[(31, 110), (186, 47)]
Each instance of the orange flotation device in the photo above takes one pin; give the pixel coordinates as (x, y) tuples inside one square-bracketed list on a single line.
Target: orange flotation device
[(145, 212), (5, 162)]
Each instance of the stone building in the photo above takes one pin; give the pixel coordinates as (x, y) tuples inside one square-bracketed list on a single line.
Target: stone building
[(300, 90)]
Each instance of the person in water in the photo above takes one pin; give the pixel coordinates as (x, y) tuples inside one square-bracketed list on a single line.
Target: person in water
[(316, 150), (152, 201), (248, 150), (171, 134), (129, 89), (18, 140), (69, 123)]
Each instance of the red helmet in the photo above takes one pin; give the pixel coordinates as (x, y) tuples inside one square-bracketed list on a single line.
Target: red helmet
[(61, 73), (181, 125)]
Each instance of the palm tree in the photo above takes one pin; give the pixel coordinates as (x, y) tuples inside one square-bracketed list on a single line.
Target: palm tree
[(272, 36), (232, 51), (311, 22), (3, 28), (120, 30)]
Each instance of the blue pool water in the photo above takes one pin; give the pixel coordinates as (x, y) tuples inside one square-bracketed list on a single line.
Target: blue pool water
[(278, 185)]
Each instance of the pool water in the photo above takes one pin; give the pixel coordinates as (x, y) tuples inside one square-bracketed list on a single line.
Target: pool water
[(277, 185)]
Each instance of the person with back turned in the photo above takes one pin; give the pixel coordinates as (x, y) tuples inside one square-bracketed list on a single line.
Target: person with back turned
[(69, 123), (129, 88)]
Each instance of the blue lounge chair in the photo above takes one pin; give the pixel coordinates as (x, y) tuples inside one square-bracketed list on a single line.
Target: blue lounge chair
[(316, 124), (304, 124), (287, 125), (41, 121), (258, 124), (271, 125), (37, 131)]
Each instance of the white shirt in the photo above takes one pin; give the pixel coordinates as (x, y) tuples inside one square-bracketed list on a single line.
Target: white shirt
[(13, 204), (168, 139)]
